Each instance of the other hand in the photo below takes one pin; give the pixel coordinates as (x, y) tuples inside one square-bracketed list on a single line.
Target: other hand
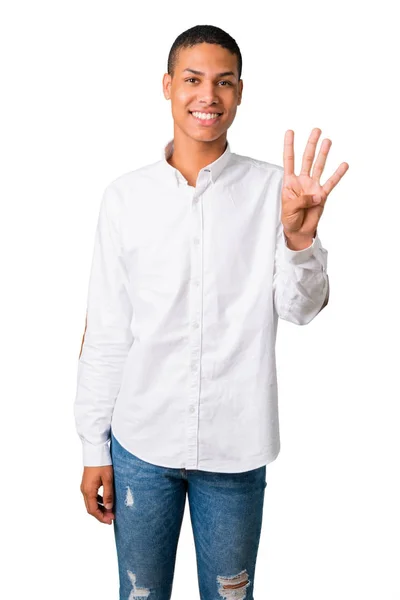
[(100, 507)]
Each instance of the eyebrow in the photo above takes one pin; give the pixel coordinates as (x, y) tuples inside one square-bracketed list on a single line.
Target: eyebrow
[(217, 75)]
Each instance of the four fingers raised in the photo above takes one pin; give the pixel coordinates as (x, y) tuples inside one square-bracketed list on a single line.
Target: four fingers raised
[(308, 159)]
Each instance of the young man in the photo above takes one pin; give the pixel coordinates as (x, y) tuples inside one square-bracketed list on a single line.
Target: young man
[(196, 257)]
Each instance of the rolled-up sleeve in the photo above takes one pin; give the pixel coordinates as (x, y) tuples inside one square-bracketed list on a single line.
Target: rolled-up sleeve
[(300, 281), (107, 338)]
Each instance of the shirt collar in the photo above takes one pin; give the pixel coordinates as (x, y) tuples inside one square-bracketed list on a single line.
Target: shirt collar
[(215, 168)]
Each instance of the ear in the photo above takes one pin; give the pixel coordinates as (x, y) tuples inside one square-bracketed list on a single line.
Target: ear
[(240, 91), (166, 84)]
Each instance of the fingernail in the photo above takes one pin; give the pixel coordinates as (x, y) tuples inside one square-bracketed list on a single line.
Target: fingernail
[(315, 200), (108, 506)]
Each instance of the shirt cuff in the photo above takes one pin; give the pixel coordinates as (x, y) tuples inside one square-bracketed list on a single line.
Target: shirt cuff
[(96, 456), (299, 256)]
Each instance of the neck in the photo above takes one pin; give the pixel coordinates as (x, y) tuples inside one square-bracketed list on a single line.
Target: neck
[(190, 156)]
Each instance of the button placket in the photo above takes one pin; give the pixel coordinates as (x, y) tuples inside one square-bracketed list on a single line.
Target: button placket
[(196, 306)]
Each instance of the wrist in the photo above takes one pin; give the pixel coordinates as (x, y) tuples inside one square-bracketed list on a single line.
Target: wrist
[(298, 242)]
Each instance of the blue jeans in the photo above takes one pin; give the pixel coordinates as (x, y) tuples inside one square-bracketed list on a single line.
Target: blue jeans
[(226, 516)]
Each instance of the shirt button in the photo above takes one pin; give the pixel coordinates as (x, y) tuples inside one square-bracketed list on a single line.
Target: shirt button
[(192, 409), (195, 325), (196, 241)]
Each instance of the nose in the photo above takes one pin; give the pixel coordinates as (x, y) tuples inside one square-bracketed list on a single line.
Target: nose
[(208, 94)]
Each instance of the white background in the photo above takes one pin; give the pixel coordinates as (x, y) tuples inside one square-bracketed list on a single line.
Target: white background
[(82, 103)]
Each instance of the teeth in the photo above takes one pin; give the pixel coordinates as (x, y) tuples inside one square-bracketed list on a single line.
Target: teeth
[(204, 116)]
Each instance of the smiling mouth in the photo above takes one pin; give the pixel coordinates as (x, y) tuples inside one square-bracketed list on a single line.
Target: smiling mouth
[(205, 121), (216, 113)]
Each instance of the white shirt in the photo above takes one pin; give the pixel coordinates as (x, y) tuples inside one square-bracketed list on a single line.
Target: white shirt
[(186, 287)]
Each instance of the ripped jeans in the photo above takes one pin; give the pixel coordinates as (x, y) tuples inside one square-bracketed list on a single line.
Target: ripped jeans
[(226, 516)]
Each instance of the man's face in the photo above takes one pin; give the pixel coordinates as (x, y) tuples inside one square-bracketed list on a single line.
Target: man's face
[(208, 92)]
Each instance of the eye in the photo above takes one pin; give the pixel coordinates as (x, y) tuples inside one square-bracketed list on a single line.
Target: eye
[(195, 79)]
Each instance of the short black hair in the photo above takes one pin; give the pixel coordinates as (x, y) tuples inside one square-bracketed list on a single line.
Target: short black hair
[(198, 34)]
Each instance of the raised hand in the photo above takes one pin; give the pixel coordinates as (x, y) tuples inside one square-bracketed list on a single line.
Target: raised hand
[(303, 196)]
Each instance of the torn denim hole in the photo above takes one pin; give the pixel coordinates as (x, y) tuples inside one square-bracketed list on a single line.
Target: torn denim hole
[(233, 588)]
